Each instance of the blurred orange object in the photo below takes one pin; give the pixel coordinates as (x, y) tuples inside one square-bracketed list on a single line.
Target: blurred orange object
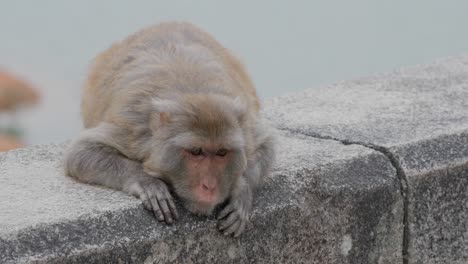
[(8, 143), (15, 93)]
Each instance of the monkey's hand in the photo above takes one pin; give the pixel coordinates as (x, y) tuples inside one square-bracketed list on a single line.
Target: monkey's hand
[(233, 219), (157, 198)]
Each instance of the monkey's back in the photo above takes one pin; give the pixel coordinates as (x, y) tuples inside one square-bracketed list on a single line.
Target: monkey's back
[(158, 61)]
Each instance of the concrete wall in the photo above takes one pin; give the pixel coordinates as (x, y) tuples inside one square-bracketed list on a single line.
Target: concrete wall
[(373, 170)]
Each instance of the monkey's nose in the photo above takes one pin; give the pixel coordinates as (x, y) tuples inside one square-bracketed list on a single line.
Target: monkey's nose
[(208, 187), (207, 194)]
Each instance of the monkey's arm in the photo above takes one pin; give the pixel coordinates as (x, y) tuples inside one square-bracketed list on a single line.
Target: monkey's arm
[(95, 158), (234, 217)]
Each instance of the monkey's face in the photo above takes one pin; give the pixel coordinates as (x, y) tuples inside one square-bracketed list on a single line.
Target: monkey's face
[(211, 171), (200, 148), (201, 172)]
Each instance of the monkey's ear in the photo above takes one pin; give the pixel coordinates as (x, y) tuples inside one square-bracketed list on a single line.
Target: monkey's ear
[(162, 111), (158, 120)]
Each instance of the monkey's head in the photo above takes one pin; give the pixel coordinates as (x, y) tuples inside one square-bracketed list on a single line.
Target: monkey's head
[(198, 147)]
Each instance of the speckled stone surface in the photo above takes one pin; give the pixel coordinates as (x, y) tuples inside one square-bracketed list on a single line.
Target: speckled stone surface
[(418, 117), (324, 203)]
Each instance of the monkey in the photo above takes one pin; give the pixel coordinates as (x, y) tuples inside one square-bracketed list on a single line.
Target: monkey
[(169, 112)]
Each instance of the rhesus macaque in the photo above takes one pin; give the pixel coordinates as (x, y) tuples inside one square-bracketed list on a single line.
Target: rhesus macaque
[(170, 110)]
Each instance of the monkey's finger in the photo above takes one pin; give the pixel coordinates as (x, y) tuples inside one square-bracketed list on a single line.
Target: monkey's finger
[(223, 224), (227, 210), (156, 210), (173, 209), (232, 228), (240, 229), (165, 208), (146, 203)]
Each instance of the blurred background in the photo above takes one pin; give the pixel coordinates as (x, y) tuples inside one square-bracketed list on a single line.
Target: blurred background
[(46, 47)]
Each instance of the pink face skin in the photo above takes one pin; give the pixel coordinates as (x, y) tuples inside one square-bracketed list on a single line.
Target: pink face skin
[(205, 166)]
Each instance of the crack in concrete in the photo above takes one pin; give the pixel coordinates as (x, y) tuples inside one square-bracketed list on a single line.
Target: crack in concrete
[(402, 178)]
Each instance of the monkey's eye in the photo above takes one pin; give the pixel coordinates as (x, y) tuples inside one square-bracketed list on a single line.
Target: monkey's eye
[(222, 152), (196, 151)]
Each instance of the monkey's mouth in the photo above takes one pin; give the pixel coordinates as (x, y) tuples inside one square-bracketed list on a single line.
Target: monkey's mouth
[(200, 208)]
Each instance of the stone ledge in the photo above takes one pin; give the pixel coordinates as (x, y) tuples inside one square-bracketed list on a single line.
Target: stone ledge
[(418, 117), (324, 203)]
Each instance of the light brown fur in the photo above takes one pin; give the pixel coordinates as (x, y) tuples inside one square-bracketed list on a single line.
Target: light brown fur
[(103, 96)]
